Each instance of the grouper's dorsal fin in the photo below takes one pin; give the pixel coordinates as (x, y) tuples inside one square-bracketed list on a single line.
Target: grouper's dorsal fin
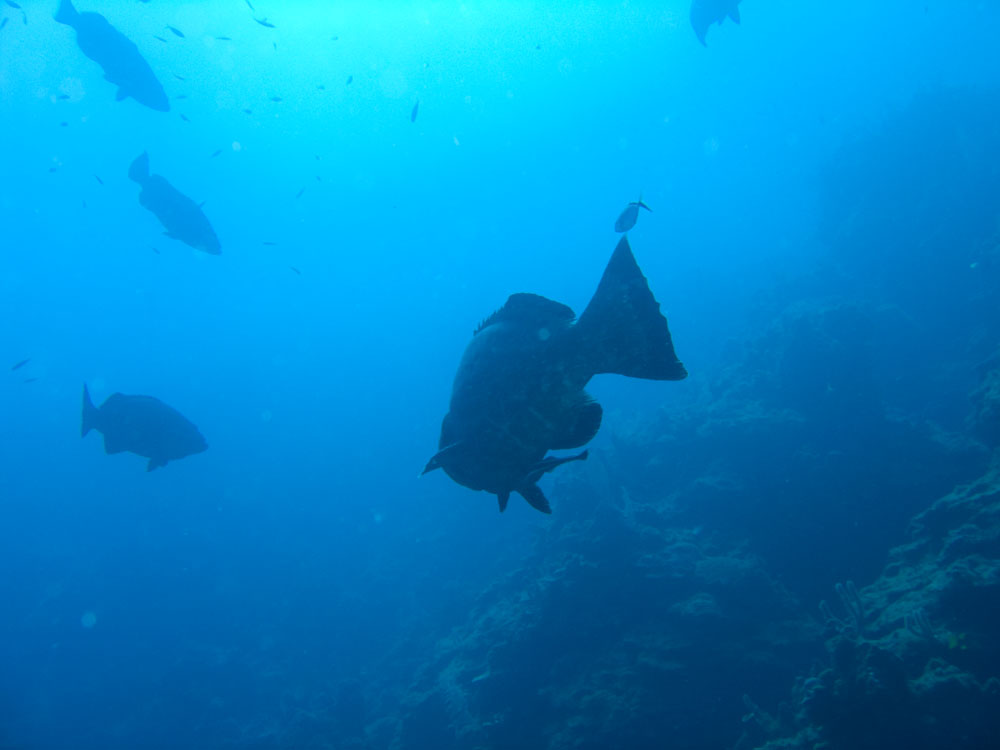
[(529, 309)]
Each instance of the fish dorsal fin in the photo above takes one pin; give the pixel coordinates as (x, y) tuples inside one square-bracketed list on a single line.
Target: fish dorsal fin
[(529, 309)]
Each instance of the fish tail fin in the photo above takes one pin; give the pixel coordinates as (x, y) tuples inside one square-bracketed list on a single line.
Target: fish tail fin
[(66, 13), (90, 415), (622, 331), (138, 170)]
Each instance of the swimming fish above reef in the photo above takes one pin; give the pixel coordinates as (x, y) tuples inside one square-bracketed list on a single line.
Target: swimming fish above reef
[(706, 12), (142, 425), (519, 389), (627, 218), (123, 65), (181, 217)]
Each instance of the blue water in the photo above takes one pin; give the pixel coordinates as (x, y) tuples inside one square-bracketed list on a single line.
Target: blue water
[(286, 587)]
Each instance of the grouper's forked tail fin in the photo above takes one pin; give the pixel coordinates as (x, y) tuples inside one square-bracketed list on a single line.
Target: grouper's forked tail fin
[(622, 331), (66, 13), (90, 416), (138, 170)]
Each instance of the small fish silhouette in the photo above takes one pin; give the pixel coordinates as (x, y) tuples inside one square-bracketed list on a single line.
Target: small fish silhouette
[(626, 220)]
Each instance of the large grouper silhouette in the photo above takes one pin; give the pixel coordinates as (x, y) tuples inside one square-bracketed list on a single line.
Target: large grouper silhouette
[(519, 390)]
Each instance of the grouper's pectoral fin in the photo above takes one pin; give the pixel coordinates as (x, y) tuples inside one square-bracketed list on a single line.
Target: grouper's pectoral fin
[(535, 497), (578, 425), (155, 462), (502, 498), (530, 491), (548, 464), (435, 462)]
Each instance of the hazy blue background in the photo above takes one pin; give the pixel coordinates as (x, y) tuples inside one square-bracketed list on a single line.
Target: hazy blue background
[(301, 548)]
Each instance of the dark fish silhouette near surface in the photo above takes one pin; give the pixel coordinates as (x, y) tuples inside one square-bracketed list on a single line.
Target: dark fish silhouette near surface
[(123, 65), (706, 12), (20, 364), (181, 217), (519, 389), (414, 111), (627, 218), (142, 425)]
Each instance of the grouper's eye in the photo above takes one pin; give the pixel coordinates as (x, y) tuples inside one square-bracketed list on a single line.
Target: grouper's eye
[(543, 334)]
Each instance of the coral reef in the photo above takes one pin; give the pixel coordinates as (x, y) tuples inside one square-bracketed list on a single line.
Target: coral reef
[(918, 664)]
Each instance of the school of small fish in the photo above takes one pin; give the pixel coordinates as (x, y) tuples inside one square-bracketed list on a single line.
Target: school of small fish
[(146, 426)]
